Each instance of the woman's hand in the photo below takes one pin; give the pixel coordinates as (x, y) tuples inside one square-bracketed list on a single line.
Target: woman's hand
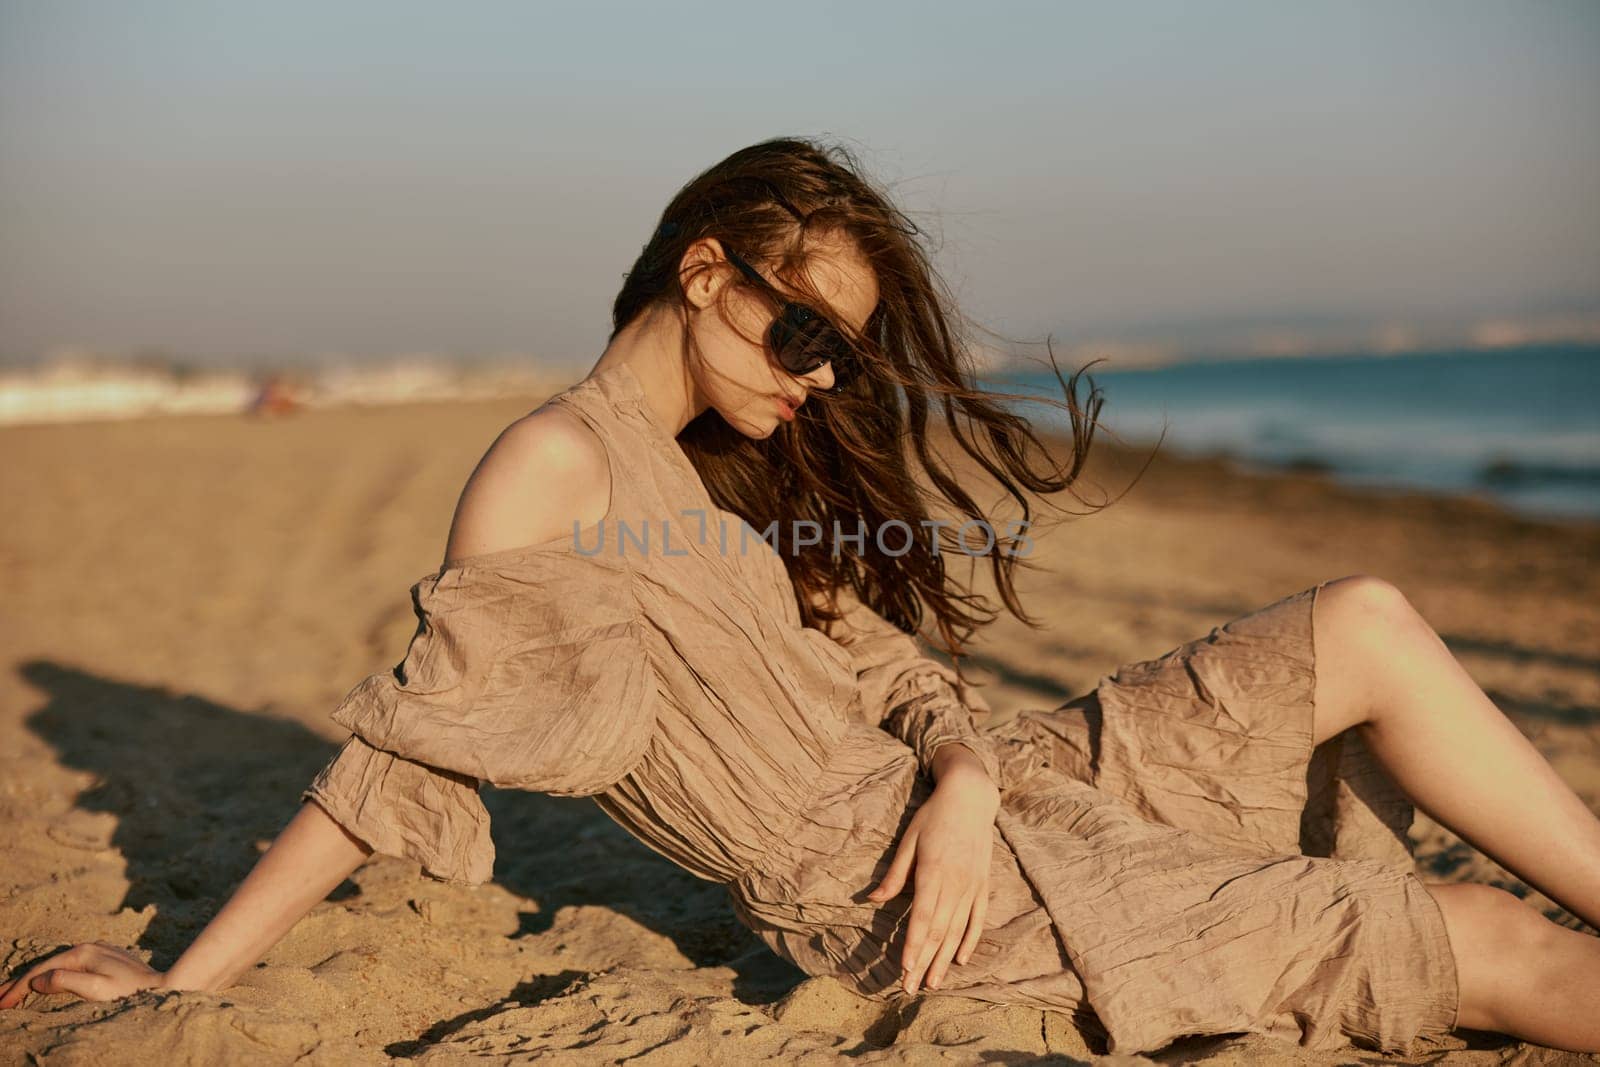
[(950, 840), (93, 970)]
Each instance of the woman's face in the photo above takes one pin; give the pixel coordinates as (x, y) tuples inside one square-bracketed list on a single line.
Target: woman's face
[(748, 387)]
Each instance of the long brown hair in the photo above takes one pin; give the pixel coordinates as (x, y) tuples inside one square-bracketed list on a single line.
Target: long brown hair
[(847, 458)]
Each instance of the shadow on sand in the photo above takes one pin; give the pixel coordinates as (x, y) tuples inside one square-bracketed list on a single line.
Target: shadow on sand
[(194, 785)]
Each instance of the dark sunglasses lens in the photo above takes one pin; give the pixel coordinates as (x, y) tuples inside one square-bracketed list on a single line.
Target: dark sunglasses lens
[(793, 332), (804, 341)]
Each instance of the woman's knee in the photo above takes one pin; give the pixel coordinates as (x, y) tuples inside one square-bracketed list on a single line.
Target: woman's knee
[(1363, 621), (1498, 941), (1360, 623), (1365, 604)]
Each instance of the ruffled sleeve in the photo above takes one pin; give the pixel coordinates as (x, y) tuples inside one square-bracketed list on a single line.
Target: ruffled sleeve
[(530, 674), (401, 808), (905, 691)]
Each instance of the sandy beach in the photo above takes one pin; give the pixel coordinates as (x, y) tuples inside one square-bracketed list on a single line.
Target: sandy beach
[(188, 597)]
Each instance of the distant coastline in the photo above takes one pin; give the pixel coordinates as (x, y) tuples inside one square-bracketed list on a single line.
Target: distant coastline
[(88, 387), (1520, 426)]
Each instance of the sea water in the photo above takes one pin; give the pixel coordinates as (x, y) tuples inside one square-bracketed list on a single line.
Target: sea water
[(1517, 425)]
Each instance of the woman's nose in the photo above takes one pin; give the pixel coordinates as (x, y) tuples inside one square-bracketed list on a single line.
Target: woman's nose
[(821, 378)]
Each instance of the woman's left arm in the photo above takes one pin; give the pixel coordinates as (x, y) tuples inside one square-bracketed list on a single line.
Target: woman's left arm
[(948, 845), (947, 848)]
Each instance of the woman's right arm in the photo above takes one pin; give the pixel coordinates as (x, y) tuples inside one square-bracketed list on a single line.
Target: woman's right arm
[(307, 861), (522, 491), (310, 857)]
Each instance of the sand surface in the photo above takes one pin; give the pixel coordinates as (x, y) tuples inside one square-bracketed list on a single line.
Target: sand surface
[(186, 599)]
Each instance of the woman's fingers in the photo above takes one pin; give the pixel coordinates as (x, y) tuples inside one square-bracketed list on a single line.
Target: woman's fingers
[(894, 879), (944, 903), (930, 918), (93, 970), (949, 941), (980, 908), (86, 984), (918, 924), (19, 987)]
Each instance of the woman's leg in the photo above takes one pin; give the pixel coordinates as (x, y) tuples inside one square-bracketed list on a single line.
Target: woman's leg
[(1519, 973), (1382, 670)]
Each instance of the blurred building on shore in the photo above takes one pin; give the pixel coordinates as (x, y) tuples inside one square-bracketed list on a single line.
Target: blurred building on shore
[(76, 384)]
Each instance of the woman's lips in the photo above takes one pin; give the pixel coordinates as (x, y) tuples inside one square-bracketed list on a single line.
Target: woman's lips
[(785, 408)]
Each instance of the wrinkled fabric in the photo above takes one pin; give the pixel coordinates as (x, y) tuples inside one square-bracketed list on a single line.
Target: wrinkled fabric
[(1172, 855), (898, 687), (508, 695), (402, 808)]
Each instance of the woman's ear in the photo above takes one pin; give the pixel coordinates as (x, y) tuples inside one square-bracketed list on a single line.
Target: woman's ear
[(698, 271)]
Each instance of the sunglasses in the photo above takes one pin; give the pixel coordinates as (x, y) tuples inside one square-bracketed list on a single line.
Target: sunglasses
[(801, 338)]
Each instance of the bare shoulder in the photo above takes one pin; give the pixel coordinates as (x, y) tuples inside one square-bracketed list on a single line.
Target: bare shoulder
[(543, 472)]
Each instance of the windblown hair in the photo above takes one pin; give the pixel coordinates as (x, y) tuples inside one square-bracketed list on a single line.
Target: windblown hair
[(847, 458)]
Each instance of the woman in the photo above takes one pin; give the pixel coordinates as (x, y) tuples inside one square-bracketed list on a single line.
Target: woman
[(1212, 841)]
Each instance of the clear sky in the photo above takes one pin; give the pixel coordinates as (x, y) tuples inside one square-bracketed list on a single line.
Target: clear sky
[(225, 178)]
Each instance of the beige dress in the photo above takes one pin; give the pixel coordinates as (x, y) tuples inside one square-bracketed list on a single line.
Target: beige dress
[(1171, 856)]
